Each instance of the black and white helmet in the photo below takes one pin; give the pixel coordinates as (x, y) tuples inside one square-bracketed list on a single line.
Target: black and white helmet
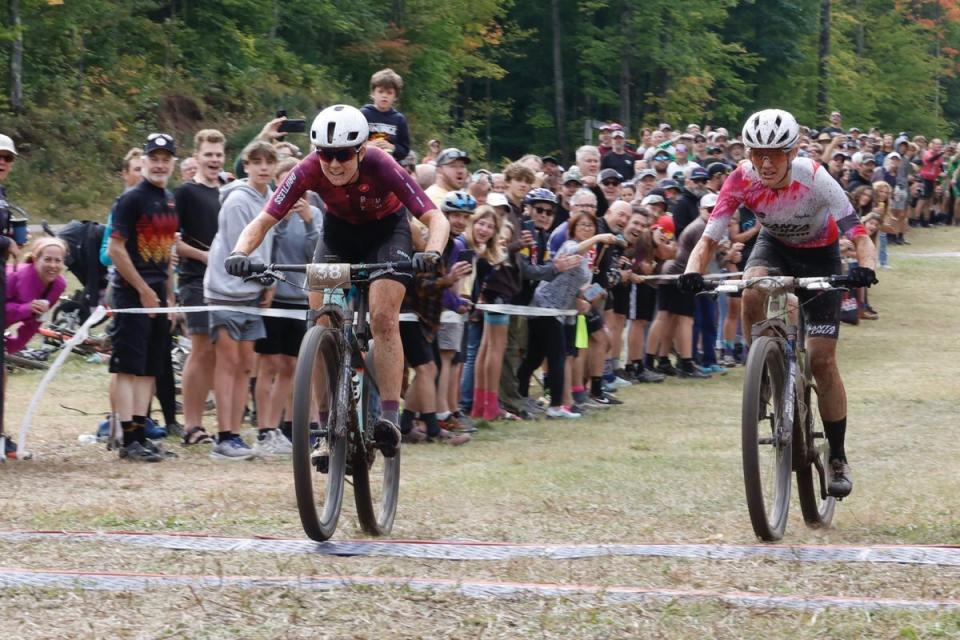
[(771, 129), (339, 126)]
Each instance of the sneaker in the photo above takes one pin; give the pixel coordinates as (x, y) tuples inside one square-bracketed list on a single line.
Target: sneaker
[(604, 400), (618, 382), (562, 413), (667, 369), (694, 374), (869, 314), (649, 376), (153, 447), (10, 450), (387, 436), (579, 408), (232, 449), (609, 389), (531, 406), (596, 403), (154, 431), (274, 443), (175, 429), (715, 368), (839, 480), (453, 439), (136, 452), (415, 435)]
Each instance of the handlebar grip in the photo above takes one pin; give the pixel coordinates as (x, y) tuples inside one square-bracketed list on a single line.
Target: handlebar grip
[(256, 267)]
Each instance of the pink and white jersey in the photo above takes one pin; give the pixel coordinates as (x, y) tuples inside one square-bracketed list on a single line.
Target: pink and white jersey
[(810, 212)]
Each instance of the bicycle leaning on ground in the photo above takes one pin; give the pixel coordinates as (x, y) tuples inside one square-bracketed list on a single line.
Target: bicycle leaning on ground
[(335, 373), (781, 430)]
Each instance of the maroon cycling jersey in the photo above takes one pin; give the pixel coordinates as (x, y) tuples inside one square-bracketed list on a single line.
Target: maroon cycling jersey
[(381, 190)]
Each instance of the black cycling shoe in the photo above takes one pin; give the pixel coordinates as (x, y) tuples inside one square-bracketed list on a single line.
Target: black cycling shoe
[(839, 480), (387, 437)]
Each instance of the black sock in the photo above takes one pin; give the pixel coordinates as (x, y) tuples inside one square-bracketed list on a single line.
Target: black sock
[(638, 367), (649, 361), (686, 365), (262, 433), (430, 420), (665, 361), (223, 436), (596, 386), (836, 430), (406, 421), (286, 428), (129, 433), (140, 428)]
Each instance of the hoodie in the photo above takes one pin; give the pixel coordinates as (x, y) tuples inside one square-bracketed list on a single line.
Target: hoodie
[(239, 205), (23, 287), (390, 126), (293, 243)]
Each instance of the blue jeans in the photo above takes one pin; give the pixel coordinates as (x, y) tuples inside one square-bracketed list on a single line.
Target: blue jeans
[(474, 333), (705, 330), (883, 248)]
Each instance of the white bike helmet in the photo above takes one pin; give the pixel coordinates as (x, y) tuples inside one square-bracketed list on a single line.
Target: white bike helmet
[(339, 126), (771, 129)]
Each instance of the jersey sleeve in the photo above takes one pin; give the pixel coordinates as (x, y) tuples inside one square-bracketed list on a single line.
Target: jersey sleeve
[(837, 203), (728, 201), (401, 183), (296, 184), (125, 215)]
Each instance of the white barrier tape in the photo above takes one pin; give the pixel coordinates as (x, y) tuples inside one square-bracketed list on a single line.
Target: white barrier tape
[(517, 310), (293, 314), (11, 577), (79, 337)]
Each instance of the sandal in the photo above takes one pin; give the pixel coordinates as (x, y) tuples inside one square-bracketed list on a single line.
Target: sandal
[(197, 435)]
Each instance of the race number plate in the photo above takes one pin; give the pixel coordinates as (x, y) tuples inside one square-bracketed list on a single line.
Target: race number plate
[(328, 276)]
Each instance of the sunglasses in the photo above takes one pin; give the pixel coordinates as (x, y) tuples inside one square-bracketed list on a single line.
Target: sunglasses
[(340, 155), (776, 156), (610, 183), (6, 157), (544, 210)]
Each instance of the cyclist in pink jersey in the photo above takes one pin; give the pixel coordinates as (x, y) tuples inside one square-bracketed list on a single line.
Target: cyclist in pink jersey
[(802, 211), (368, 197)]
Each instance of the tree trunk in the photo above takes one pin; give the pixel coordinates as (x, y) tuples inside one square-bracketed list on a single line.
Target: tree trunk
[(858, 34), (559, 104), (625, 72), (823, 107), (16, 59)]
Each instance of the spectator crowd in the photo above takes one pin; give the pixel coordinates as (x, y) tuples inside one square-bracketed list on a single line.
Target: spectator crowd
[(583, 248)]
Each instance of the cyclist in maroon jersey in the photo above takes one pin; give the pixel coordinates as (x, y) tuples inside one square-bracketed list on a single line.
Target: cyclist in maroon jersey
[(368, 197)]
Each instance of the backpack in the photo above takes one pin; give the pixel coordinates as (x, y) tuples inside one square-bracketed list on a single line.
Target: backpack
[(83, 238)]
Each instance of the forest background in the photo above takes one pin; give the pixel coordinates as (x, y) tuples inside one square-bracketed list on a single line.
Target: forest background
[(84, 80)]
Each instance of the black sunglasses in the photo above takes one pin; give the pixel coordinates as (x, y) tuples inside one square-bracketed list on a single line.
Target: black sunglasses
[(545, 211), (340, 155), (611, 183)]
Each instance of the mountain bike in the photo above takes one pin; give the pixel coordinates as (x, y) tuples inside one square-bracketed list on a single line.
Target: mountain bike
[(781, 429), (335, 373)]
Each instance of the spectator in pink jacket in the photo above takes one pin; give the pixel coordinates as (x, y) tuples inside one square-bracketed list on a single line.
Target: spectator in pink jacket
[(33, 287)]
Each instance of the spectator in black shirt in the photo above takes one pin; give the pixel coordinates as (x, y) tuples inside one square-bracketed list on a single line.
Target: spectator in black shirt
[(686, 208), (619, 158)]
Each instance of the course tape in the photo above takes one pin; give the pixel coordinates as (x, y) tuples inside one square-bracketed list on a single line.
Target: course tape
[(19, 578), (446, 316), (455, 550)]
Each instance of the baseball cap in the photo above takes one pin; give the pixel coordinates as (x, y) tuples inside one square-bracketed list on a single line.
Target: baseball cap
[(852, 129), (645, 173), (450, 155), (6, 144), (667, 183), (868, 158), (824, 137), (159, 142), (618, 133), (616, 127), (735, 142), (699, 173), (840, 153), (572, 176), (610, 174), (652, 199), (712, 150), (547, 159), (666, 225), (699, 138), (716, 167), (605, 126), (708, 200), (495, 199), (894, 154)]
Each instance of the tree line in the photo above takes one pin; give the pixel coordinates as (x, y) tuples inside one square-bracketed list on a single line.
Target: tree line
[(87, 79)]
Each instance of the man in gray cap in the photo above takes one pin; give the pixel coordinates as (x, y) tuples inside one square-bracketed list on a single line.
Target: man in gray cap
[(451, 174), (8, 155)]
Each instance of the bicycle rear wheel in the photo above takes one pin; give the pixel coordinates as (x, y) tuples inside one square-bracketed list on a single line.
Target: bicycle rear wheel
[(816, 506), (319, 458), (766, 439), (376, 479)]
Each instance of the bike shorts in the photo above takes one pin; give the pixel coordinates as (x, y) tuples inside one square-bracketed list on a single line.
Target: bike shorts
[(386, 240), (821, 309), (672, 300), (643, 302), (418, 349), (620, 299), (141, 344), (284, 335), (594, 321)]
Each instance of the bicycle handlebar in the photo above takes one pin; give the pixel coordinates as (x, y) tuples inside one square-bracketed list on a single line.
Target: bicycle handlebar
[(780, 283), (327, 275)]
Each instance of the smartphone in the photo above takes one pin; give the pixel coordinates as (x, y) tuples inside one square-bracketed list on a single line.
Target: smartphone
[(295, 125), (467, 255), (592, 292), (528, 225)]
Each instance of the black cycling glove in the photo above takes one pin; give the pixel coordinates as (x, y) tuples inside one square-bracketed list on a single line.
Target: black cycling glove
[(690, 282), (237, 264), (425, 261), (862, 277)]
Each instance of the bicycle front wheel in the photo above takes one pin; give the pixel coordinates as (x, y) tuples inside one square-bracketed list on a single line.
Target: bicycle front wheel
[(817, 507), (766, 439), (376, 479), (319, 455)]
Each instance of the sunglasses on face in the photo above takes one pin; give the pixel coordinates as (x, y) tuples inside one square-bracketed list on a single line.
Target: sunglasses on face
[(544, 210), (6, 157), (340, 155), (776, 156), (610, 183)]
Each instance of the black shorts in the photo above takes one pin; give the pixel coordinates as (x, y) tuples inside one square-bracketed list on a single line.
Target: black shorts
[(821, 309), (570, 339), (417, 349), (672, 300), (621, 299), (929, 189), (284, 335), (643, 302), (594, 320), (386, 240), (141, 344), (191, 295)]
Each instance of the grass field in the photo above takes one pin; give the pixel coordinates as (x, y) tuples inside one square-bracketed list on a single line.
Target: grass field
[(663, 468)]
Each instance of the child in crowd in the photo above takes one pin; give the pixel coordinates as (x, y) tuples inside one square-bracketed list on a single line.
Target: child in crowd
[(388, 127)]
